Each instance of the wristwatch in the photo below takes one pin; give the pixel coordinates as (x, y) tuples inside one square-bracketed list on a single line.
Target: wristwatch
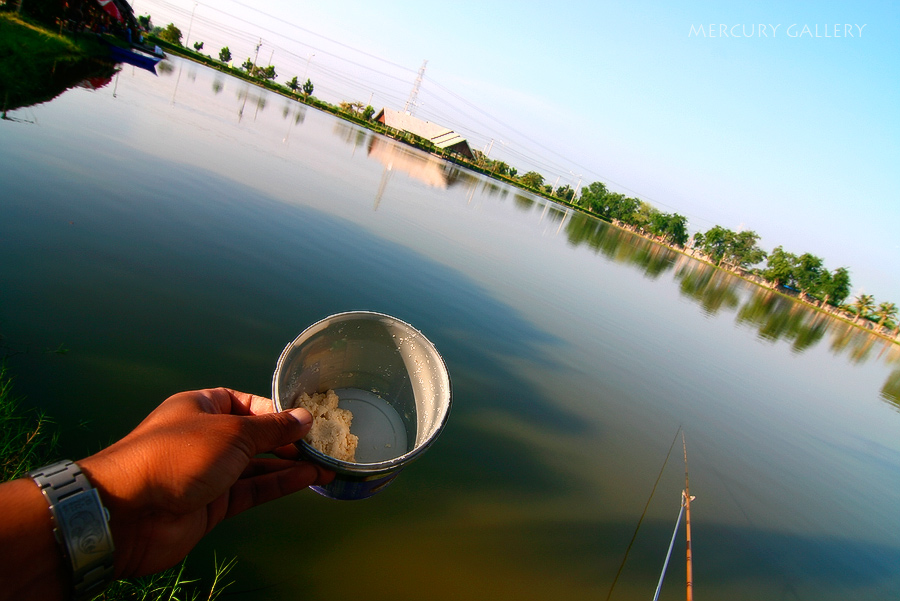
[(80, 525)]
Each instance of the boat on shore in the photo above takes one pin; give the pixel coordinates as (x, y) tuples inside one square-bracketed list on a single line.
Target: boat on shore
[(136, 55)]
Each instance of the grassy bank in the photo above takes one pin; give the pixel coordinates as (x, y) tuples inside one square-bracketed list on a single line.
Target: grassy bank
[(36, 64), (23, 42), (27, 438)]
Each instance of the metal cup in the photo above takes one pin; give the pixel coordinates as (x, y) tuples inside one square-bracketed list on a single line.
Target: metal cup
[(387, 374)]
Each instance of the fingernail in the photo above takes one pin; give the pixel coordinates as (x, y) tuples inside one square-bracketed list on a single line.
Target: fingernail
[(302, 415)]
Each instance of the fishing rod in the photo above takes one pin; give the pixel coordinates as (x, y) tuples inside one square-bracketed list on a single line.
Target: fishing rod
[(685, 505), (687, 525)]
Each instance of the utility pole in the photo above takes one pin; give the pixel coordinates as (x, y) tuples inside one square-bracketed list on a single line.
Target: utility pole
[(577, 185), (411, 102), (187, 40), (266, 76), (256, 56), (305, 71)]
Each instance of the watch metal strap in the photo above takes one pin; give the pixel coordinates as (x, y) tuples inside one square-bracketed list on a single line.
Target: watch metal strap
[(80, 524)]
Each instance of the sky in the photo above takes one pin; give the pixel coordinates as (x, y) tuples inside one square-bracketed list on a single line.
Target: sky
[(778, 117)]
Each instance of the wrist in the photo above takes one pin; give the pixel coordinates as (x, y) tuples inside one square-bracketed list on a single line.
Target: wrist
[(121, 498), (32, 567)]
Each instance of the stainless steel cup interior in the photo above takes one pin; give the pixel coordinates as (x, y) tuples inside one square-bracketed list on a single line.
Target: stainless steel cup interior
[(376, 353)]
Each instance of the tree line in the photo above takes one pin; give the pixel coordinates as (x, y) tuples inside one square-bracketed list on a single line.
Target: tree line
[(804, 275)]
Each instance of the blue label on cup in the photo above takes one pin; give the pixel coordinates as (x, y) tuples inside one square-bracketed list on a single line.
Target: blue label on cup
[(346, 488)]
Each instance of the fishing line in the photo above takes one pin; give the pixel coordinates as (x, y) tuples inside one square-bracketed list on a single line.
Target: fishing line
[(647, 506), (752, 542)]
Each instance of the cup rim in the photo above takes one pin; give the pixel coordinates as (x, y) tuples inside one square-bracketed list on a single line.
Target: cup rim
[(349, 467)]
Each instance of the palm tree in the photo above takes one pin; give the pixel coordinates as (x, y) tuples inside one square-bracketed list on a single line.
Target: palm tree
[(864, 303), (885, 311)]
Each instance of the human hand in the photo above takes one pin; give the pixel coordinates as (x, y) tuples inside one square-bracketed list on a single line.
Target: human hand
[(190, 464)]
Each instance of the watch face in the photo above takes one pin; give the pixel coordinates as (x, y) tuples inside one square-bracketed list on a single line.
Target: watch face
[(82, 520), (87, 531)]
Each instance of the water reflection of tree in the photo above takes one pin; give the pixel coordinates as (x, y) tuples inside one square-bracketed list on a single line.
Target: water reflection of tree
[(355, 136), (773, 315), (33, 81), (778, 317), (554, 213), (525, 203), (493, 189), (619, 245), (710, 287), (890, 392), (858, 345)]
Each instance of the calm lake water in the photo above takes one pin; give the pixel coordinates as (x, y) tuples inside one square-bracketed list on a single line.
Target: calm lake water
[(176, 231)]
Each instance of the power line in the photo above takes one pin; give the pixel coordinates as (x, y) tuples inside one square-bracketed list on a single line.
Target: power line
[(333, 41)]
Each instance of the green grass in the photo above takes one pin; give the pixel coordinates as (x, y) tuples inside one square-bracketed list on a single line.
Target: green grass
[(27, 438), (169, 585), (20, 37), (36, 64)]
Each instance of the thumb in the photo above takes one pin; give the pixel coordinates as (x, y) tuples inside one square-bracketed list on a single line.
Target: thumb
[(269, 431)]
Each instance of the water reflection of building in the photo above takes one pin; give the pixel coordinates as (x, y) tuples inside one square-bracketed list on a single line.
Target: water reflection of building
[(419, 165)]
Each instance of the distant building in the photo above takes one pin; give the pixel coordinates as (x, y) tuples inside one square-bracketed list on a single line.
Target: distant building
[(438, 135)]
